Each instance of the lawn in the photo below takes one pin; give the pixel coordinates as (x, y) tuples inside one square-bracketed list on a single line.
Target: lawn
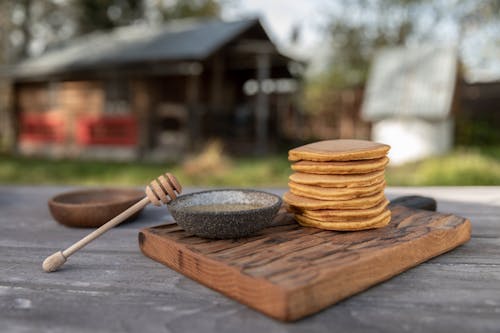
[(464, 166), (271, 171)]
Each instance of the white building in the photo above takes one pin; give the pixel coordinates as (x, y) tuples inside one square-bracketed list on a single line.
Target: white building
[(409, 98)]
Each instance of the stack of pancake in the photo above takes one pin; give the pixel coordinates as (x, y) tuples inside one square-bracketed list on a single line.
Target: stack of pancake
[(339, 185)]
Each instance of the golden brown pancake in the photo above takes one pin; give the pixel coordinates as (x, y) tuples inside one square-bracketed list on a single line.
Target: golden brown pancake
[(314, 204), (378, 222), (334, 193), (336, 214), (356, 180), (339, 150), (341, 167), (356, 219)]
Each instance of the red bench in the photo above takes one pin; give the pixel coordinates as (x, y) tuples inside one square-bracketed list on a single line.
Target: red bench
[(42, 128), (108, 130)]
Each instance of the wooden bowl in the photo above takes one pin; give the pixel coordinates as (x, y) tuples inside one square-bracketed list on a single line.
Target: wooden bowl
[(92, 208)]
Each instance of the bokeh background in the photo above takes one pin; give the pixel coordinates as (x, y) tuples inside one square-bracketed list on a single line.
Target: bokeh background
[(115, 92)]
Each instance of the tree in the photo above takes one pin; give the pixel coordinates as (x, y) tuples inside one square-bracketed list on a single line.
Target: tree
[(359, 27), (92, 15), (190, 8), (30, 26)]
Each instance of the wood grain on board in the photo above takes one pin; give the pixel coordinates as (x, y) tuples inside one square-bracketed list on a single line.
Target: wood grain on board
[(289, 272)]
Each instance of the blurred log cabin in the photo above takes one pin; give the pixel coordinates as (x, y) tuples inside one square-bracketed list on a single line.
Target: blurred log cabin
[(157, 92)]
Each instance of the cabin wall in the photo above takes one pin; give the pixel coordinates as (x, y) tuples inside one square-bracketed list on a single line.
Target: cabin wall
[(152, 117), (166, 118), (73, 118)]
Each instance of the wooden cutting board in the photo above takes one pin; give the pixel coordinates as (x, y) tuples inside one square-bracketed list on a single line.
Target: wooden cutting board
[(288, 272)]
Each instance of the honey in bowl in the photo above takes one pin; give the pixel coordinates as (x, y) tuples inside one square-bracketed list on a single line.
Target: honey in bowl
[(221, 208)]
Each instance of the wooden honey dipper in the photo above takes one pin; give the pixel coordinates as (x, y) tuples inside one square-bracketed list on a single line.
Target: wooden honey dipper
[(161, 190)]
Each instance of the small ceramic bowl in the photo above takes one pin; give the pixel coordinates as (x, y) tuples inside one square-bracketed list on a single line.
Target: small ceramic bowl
[(92, 208), (222, 214)]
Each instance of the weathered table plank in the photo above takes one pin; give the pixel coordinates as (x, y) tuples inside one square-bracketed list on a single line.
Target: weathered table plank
[(111, 287)]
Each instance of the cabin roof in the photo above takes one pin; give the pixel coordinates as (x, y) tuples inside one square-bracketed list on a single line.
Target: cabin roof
[(179, 40), (411, 82)]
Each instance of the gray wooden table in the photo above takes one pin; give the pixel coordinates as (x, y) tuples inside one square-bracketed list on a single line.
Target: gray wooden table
[(111, 287)]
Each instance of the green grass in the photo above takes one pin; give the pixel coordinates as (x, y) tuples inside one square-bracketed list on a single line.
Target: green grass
[(272, 171), (464, 166), (472, 166)]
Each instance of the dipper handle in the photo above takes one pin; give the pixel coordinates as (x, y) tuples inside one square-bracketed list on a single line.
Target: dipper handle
[(161, 190)]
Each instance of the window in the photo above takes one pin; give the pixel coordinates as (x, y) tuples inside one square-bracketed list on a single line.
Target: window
[(117, 96), (53, 89)]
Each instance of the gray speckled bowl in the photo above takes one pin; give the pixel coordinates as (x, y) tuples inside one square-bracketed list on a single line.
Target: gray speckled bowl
[(225, 224)]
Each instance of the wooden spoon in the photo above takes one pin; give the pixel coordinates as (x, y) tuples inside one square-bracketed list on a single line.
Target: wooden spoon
[(161, 190)]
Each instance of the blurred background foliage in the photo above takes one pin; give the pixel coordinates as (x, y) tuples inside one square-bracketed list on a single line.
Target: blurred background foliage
[(29, 27), (357, 29)]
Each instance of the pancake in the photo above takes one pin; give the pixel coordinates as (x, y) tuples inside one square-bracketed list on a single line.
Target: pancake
[(378, 222), (356, 180), (335, 214), (356, 219), (341, 167), (339, 150), (315, 204), (335, 193)]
